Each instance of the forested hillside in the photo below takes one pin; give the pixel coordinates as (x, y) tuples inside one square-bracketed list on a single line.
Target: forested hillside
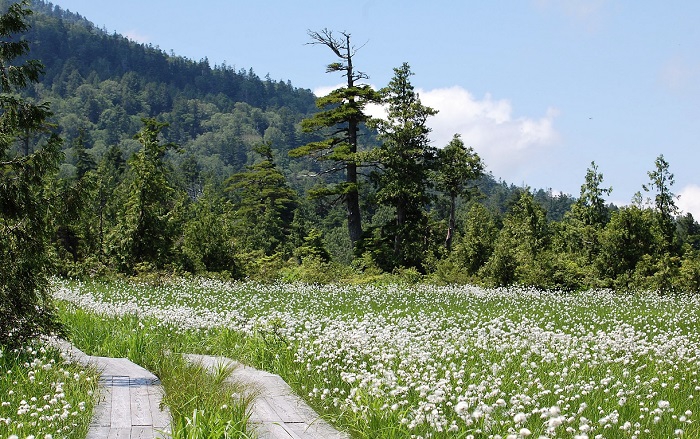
[(175, 165)]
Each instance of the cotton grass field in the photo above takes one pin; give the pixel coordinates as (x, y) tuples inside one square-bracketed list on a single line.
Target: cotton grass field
[(430, 362), (43, 397)]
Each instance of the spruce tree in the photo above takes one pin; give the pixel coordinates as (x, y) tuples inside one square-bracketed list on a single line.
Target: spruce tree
[(29, 156)]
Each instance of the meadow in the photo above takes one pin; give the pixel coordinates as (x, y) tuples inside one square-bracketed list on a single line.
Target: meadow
[(424, 361)]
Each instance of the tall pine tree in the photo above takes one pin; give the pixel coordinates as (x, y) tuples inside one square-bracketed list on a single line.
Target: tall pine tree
[(26, 309), (405, 158), (343, 114)]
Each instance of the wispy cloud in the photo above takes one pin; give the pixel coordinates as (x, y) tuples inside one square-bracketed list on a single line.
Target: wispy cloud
[(136, 36), (585, 13)]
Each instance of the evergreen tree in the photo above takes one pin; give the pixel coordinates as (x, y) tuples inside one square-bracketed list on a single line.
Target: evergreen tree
[(458, 167), (26, 310), (661, 180), (208, 235), (583, 224), (590, 207), (520, 252), (342, 115), (406, 158), (475, 247), (109, 175), (143, 233), (264, 204)]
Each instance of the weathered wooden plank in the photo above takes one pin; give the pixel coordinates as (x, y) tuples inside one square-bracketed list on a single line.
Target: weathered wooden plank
[(98, 432), (102, 412), (275, 386), (119, 433), (121, 402), (143, 433), (277, 430), (316, 430), (140, 404), (285, 409), (161, 418), (262, 412)]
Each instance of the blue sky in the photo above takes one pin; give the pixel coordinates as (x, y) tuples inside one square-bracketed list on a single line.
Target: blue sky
[(539, 88)]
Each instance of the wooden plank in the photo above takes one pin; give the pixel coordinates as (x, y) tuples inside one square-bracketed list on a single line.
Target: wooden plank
[(263, 412), (285, 409), (143, 433), (140, 404), (281, 431), (102, 412), (275, 386), (121, 402), (98, 432), (119, 433), (161, 418), (317, 430)]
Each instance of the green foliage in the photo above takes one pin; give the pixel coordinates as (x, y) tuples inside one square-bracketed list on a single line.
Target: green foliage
[(144, 231), (264, 204), (475, 246), (26, 205), (519, 251), (457, 168), (31, 373), (406, 159), (625, 240), (661, 180), (208, 241)]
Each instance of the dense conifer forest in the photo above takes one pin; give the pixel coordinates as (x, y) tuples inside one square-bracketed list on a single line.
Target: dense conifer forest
[(169, 165)]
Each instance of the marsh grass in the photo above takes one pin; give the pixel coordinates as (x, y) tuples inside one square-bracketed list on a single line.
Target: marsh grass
[(43, 396)]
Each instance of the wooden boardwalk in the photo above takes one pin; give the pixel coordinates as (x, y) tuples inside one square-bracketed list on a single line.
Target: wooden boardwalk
[(129, 402), (277, 412)]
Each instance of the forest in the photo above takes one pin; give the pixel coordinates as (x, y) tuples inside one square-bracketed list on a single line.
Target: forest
[(118, 159)]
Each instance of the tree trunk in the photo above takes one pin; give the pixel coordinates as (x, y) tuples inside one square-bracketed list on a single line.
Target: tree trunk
[(451, 226), (352, 203), (352, 198)]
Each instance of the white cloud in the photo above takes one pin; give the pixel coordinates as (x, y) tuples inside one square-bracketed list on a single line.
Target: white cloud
[(137, 36), (689, 200), (505, 142)]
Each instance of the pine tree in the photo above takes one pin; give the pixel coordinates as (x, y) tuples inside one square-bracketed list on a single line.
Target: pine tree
[(143, 234), (264, 203), (406, 158), (458, 167), (343, 114), (26, 309)]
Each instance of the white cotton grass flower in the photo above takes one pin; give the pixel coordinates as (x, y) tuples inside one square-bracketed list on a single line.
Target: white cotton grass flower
[(435, 358)]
